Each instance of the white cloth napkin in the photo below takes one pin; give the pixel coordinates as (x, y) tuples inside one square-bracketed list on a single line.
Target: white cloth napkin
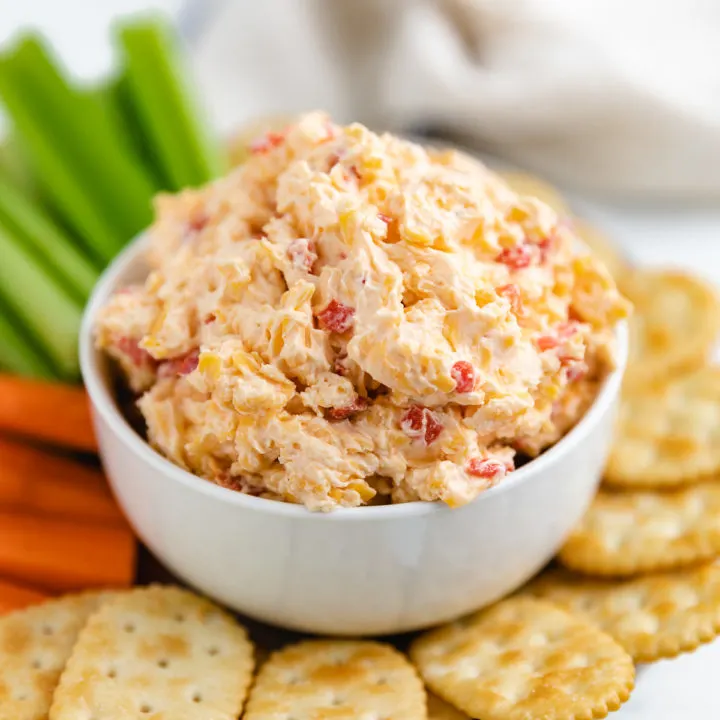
[(620, 97)]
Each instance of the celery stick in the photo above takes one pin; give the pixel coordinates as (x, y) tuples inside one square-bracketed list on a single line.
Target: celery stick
[(52, 317), (49, 245), (116, 95), (94, 142), (17, 354), (164, 104), (59, 179), (14, 166)]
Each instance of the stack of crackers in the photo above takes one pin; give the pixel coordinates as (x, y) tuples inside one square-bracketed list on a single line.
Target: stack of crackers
[(636, 581)]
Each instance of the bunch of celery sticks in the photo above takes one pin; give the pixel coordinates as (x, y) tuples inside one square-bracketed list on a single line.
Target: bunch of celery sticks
[(77, 176)]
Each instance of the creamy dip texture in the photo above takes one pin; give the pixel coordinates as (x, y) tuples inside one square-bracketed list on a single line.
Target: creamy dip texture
[(349, 318)]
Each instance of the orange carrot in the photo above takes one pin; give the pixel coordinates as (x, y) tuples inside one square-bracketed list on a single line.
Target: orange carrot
[(17, 597), (36, 481), (60, 555), (51, 412)]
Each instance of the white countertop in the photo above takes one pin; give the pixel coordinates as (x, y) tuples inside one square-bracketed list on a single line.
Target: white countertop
[(679, 689)]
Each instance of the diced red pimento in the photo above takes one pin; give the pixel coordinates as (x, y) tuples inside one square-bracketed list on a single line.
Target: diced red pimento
[(576, 370), (385, 218), (181, 365), (335, 158), (564, 332), (421, 422), (198, 222), (237, 483), (568, 329), (516, 257), (355, 172), (344, 412), (301, 252), (463, 373), (488, 468), (336, 317), (209, 318), (547, 342), (512, 293), (267, 142), (545, 247), (130, 347), (339, 366)]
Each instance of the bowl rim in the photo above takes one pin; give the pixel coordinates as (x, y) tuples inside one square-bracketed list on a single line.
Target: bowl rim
[(104, 403)]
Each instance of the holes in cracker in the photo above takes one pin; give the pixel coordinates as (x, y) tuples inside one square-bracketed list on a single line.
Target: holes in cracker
[(179, 617), (146, 709), (36, 664), (381, 680), (293, 680), (197, 697), (163, 663), (129, 628), (213, 650), (47, 630), (111, 673), (337, 701)]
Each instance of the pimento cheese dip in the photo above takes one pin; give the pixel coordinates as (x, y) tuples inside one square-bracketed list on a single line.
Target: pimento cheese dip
[(349, 318)]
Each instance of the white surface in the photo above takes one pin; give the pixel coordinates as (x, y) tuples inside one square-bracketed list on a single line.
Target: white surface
[(682, 688), (363, 571)]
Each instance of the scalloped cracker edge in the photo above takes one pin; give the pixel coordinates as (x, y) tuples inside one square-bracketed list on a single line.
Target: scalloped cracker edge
[(160, 652), (652, 617), (524, 658)]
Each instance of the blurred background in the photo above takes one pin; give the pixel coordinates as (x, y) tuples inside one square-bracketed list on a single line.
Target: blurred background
[(103, 104), (616, 105)]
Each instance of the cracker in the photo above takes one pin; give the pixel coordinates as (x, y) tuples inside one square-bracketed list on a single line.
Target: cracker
[(160, 653), (339, 679), (602, 248), (637, 532), (674, 327), (525, 658), (652, 617), (526, 184), (668, 436), (438, 709), (35, 644)]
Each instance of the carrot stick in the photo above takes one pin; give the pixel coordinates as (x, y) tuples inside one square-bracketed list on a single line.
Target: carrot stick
[(45, 483), (60, 555), (17, 597), (51, 412)]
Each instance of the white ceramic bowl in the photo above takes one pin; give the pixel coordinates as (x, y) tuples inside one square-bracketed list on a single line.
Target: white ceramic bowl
[(371, 570)]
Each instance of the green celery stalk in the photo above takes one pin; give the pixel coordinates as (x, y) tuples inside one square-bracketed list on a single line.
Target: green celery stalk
[(94, 142), (60, 182), (51, 316), (164, 104), (17, 353), (14, 166), (116, 95), (50, 246)]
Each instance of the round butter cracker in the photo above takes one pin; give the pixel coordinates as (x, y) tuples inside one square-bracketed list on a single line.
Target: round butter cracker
[(157, 652), (339, 679), (35, 644), (638, 532), (525, 658), (674, 326), (668, 436), (652, 617)]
